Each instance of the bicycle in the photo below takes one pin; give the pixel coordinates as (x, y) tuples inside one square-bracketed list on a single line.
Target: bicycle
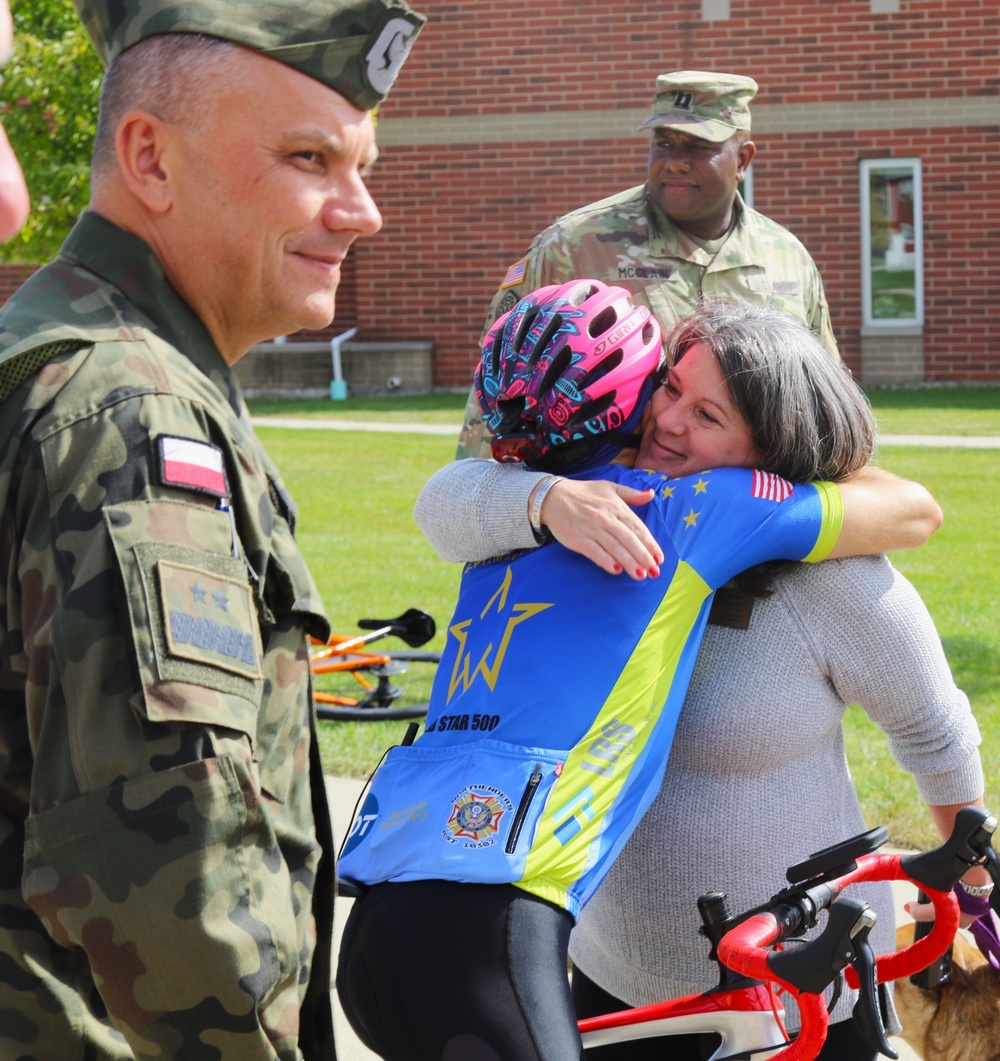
[(744, 1009), (352, 684)]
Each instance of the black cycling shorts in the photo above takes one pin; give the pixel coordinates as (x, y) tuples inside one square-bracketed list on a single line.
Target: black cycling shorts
[(441, 971)]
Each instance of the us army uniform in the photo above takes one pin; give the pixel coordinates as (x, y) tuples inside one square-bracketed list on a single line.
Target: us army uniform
[(166, 856), (627, 240)]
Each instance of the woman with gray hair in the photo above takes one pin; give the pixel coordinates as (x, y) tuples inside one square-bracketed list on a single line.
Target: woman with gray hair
[(757, 761), (808, 421)]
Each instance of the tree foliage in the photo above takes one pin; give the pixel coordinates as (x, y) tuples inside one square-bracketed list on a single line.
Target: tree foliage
[(49, 107)]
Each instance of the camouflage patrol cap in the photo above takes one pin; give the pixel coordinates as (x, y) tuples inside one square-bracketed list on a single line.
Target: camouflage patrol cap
[(355, 47), (709, 106)]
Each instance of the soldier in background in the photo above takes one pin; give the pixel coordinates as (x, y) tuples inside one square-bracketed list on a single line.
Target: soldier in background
[(683, 237), (166, 858)]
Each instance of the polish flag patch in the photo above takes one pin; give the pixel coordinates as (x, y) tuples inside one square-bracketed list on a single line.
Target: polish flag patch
[(770, 487), (192, 465)]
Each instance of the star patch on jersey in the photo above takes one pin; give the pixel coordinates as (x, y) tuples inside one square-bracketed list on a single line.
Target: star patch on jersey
[(192, 465)]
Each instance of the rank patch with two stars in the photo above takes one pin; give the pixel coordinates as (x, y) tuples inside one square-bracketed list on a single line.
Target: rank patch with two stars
[(209, 619)]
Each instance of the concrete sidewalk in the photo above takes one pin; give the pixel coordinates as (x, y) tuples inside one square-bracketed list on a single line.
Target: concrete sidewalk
[(344, 793)]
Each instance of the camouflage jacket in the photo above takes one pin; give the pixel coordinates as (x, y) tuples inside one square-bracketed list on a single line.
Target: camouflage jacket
[(169, 893), (628, 241)]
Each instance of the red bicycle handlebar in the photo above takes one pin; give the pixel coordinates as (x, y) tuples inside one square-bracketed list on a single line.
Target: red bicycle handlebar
[(746, 948), (917, 955)]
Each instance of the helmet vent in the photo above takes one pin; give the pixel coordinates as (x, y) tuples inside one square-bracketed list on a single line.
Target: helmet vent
[(590, 410), (561, 361), (523, 327), (604, 368), (603, 322), (538, 347), (511, 412)]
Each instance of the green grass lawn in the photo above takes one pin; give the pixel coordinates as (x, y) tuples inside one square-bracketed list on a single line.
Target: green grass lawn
[(958, 575), (356, 492), (443, 408), (937, 410), (923, 411)]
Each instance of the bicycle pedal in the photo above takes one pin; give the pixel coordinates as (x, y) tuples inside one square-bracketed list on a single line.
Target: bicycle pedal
[(383, 695), (388, 670)]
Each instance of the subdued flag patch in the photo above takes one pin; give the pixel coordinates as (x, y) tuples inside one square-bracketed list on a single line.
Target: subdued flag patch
[(515, 274), (192, 465)]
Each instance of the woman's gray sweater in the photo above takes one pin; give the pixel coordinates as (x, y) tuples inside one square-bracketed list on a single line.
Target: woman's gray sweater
[(758, 776)]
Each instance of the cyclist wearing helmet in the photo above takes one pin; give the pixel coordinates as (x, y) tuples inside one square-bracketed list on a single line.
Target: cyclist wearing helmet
[(556, 698)]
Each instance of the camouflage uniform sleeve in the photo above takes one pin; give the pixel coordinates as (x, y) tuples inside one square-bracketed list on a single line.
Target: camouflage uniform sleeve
[(170, 837), (819, 314), (547, 261)]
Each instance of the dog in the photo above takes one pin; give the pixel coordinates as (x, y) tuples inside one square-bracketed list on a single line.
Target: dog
[(959, 1020)]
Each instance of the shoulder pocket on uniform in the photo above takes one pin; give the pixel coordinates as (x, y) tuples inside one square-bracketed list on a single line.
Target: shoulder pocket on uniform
[(191, 611)]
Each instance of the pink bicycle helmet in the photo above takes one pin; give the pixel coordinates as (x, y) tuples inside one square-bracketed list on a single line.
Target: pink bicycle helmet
[(565, 375)]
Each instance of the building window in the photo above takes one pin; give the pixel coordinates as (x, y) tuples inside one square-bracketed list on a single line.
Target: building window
[(746, 186), (715, 10), (891, 243)]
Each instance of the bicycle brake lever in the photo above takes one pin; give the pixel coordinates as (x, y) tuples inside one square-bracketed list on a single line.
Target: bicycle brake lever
[(968, 845), (867, 1012), (814, 965)]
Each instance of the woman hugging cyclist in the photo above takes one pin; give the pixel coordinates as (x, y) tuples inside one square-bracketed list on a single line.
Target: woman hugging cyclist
[(478, 845)]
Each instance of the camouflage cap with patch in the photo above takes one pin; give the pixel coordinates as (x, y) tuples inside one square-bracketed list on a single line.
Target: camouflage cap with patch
[(709, 106), (355, 47)]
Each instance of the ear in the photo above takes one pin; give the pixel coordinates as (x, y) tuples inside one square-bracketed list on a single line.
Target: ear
[(745, 156), (142, 146)]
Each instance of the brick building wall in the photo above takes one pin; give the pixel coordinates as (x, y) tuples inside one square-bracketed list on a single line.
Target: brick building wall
[(11, 278), (506, 116)]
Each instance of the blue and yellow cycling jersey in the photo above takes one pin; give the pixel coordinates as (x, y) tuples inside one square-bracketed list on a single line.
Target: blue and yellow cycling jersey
[(555, 702)]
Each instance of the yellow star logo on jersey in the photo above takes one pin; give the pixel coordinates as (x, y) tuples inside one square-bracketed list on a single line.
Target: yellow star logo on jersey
[(691, 519), (700, 487), (667, 491), (464, 673)]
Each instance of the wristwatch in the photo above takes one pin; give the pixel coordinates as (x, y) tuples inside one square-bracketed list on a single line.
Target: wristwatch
[(977, 891)]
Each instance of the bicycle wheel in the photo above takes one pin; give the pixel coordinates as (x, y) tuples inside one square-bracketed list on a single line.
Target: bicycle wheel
[(399, 690)]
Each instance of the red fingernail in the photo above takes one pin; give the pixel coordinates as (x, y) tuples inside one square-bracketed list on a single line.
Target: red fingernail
[(654, 571), (640, 572), (617, 569)]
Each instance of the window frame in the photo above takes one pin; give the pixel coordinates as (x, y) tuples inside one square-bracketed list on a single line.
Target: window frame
[(880, 325)]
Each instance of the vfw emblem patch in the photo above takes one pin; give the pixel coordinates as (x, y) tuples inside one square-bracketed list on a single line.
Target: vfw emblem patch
[(476, 815)]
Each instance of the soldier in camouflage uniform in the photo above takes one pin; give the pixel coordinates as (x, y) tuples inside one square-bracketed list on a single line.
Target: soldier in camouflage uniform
[(683, 237), (166, 858)]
